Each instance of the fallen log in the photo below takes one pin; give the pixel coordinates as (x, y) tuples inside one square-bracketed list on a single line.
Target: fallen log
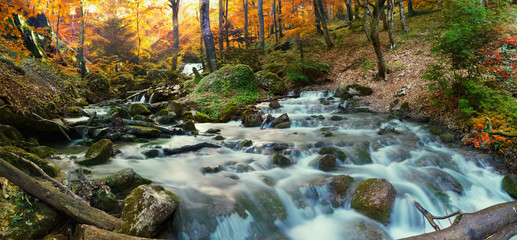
[(87, 232), (151, 125), (189, 148), (430, 218), (476, 225), (75, 208)]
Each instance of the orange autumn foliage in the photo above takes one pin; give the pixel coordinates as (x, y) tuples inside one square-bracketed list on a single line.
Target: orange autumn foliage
[(480, 138)]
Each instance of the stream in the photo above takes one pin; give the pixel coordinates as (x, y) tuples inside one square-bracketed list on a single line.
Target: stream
[(236, 192)]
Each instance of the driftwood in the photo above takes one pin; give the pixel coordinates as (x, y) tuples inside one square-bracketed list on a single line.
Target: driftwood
[(136, 93), (278, 98), (87, 232), (151, 125), (59, 126), (189, 148), (496, 219), (72, 207), (430, 218)]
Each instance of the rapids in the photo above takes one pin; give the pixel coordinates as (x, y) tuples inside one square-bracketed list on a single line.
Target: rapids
[(251, 198)]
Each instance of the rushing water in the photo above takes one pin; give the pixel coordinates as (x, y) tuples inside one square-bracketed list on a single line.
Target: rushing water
[(251, 198)]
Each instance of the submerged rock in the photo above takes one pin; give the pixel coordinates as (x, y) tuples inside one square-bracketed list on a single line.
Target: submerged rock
[(282, 121), (334, 151), (443, 182), (338, 187), (281, 160), (252, 118), (146, 209), (99, 153), (274, 104), (374, 198)]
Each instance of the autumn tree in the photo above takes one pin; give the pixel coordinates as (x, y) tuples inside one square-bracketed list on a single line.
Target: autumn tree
[(403, 23), (260, 8), (80, 49), (319, 11), (381, 62), (391, 28), (204, 14), (175, 4)]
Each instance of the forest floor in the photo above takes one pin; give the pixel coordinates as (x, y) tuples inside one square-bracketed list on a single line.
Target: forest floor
[(354, 61)]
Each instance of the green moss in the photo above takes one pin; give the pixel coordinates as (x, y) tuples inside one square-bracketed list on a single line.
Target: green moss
[(13, 155), (336, 118), (246, 143), (138, 109), (11, 132), (281, 160), (271, 82), (509, 184), (125, 180), (374, 198), (283, 125), (146, 132), (334, 151), (189, 125), (42, 151), (229, 112), (202, 118), (327, 134), (436, 130), (447, 137), (99, 153)]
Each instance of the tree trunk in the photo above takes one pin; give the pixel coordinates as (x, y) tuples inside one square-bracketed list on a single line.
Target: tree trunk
[(87, 232), (349, 11), (280, 34), (477, 225), (138, 31), (226, 26), (366, 10), (221, 27), (320, 13), (72, 207), (206, 32), (384, 18), (405, 28), (379, 7), (411, 12), (318, 22), (275, 26), (245, 6), (175, 4), (260, 8), (57, 32), (391, 28), (80, 49)]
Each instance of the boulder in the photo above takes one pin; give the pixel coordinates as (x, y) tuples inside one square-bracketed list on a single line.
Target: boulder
[(128, 138), (374, 198), (98, 87), (334, 151), (282, 121), (443, 182), (166, 117), (74, 112), (252, 118), (42, 151), (271, 82), (230, 112), (13, 155), (274, 104), (447, 137), (202, 118), (281, 160), (338, 187), (145, 210), (352, 90), (138, 109), (510, 185), (176, 108), (10, 132), (161, 77), (98, 195), (22, 216), (99, 153), (120, 112), (189, 125), (144, 132), (125, 181), (327, 162)]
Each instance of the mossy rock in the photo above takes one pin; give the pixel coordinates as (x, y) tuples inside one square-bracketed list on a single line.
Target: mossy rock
[(436, 130), (13, 155), (334, 151), (447, 137), (55, 237), (10, 132), (275, 104), (374, 198), (106, 201), (151, 153), (42, 151), (336, 118), (125, 181), (327, 162), (145, 210), (358, 89), (327, 134), (187, 115), (338, 187), (144, 132), (162, 77), (510, 185), (99, 153), (246, 143), (281, 160), (229, 113), (218, 138), (98, 86), (4, 140), (252, 118), (138, 109), (128, 138), (189, 125), (73, 112), (176, 108), (283, 125), (271, 82), (119, 112), (202, 118), (22, 216)]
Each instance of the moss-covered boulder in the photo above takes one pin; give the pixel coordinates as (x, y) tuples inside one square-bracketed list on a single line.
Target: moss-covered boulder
[(74, 112), (353, 90), (189, 125), (443, 182), (162, 77), (166, 117), (146, 209), (230, 112), (338, 187), (275, 104), (436, 130), (327, 162), (119, 112), (22, 216), (510, 185), (447, 137), (282, 121), (271, 82), (144, 132), (125, 181), (128, 138), (106, 201), (42, 151), (15, 156), (229, 85), (374, 198), (176, 108), (10, 132), (252, 118), (281, 160), (334, 151), (98, 86), (202, 118), (138, 109), (99, 153)]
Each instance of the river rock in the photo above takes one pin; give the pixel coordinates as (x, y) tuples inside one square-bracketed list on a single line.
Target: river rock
[(138, 109), (189, 125), (119, 112), (42, 151), (281, 160), (334, 151), (443, 182), (125, 180), (202, 118), (175, 107), (374, 198), (327, 162), (252, 118), (282, 121), (230, 112), (10, 132), (338, 187), (144, 132), (98, 195), (151, 153), (128, 138), (13, 155), (99, 153), (74, 112), (272, 82), (146, 209), (447, 137), (22, 216), (510, 185), (274, 104)]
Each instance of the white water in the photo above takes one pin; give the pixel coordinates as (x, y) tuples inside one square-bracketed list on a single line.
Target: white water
[(188, 68), (251, 198)]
